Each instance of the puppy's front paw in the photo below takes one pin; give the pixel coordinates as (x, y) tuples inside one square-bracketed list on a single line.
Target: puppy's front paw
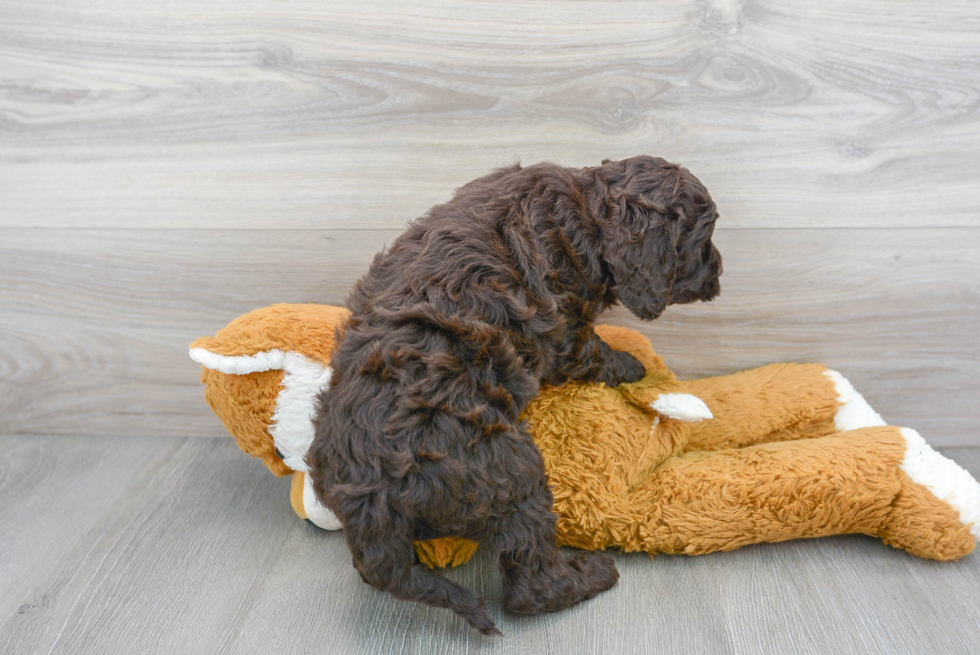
[(623, 367)]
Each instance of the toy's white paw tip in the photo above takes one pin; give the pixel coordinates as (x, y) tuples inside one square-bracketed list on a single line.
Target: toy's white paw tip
[(681, 406), (854, 411), (947, 480), (317, 513)]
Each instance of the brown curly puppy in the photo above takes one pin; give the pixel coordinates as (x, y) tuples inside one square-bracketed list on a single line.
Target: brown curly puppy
[(452, 331)]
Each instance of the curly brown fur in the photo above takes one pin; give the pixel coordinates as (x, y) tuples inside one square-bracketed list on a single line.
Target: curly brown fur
[(452, 331)]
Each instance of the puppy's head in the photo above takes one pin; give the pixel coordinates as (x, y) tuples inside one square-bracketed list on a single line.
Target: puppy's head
[(657, 239)]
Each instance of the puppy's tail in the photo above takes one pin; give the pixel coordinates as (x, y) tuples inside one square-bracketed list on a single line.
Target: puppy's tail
[(381, 541)]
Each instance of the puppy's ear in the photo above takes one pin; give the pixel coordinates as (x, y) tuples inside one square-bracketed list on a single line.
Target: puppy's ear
[(639, 252)]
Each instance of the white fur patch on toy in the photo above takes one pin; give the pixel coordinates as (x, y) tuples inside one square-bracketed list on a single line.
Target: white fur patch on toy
[(321, 516), (292, 422), (302, 381), (946, 479), (854, 412), (681, 406)]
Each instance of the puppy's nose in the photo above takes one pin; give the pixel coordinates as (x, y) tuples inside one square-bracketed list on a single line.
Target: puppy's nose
[(713, 290)]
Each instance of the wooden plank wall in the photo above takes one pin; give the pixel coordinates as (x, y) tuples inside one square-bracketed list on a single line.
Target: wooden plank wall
[(167, 166)]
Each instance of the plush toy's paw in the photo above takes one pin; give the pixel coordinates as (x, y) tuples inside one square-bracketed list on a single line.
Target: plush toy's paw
[(937, 511), (854, 411), (306, 505), (682, 407)]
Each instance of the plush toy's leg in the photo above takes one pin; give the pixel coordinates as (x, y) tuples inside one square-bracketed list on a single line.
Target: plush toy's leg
[(537, 577), (880, 481), (778, 402)]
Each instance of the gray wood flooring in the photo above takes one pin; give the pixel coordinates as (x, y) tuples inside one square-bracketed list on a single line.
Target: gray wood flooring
[(180, 545)]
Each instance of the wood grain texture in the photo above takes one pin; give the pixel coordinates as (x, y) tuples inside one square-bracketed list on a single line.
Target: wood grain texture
[(262, 115), (94, 324), (173, 545)]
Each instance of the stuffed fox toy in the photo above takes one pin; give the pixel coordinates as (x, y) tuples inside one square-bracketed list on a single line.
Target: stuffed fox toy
[(781, 452)]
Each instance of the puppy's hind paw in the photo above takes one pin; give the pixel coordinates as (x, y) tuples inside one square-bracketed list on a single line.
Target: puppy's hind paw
[(598, 572)]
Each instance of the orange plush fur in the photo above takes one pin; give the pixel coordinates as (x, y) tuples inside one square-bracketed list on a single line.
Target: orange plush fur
[(641, 468)]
